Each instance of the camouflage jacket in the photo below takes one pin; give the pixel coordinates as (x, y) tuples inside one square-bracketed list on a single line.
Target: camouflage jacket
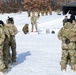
[(34, 19), (67, 31), (12, 29), (6, 31), (2, 35)]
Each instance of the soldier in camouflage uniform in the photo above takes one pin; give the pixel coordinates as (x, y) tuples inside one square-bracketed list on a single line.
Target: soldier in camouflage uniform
[(12, 43), (67, 35), (34, 21), (3, 34)]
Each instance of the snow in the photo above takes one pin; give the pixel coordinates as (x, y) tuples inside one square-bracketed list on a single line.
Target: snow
[(38, 54)]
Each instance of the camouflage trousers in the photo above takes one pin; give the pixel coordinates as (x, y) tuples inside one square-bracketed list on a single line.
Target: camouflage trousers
[(2, 65), (35, 26), (63, 62), (5, 52), (68, 60), (12, 44)]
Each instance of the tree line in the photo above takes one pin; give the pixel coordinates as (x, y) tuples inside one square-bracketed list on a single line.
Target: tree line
[(9, 6)]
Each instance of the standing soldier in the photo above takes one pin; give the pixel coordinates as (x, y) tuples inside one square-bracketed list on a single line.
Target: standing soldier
[(2, 38), (68, 37), (34, 21), (13, 31)]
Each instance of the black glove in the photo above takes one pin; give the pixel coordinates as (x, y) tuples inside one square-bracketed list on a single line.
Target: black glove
[(67, 41)]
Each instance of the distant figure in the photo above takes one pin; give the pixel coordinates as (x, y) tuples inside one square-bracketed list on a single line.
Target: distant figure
[(65, 20), (34, 21)]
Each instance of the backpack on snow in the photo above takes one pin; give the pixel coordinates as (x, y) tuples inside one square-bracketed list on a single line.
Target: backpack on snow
[(25, 29)]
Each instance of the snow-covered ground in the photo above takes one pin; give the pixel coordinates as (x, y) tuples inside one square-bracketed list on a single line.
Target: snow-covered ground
[(38, 54)]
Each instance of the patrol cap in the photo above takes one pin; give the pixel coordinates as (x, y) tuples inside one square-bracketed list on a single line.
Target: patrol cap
[(10, 20)]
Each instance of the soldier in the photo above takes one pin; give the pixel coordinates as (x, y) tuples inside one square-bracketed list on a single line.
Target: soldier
[(2, 38), (34, 21), (13, 31), (68, 37)]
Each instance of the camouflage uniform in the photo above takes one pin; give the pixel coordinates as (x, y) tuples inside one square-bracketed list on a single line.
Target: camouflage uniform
[(25, 29), (74, 26), (33, 21), (2, 38), (68, 37), (6, 46), (12, 43)]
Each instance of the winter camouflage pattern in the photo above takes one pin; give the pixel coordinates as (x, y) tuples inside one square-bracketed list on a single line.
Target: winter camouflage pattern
[(2, 65), (5, 52), (69, 32), (6, 47), (34, 21), (12, 42), (12, 29), (6, 32), (2, 35), (64, 59), (2, 38)]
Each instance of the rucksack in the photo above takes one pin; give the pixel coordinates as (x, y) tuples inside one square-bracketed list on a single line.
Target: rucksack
[(25, 29), (2, 35)]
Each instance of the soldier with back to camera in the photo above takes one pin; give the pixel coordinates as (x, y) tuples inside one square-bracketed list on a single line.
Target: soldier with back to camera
[(12, 43)]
